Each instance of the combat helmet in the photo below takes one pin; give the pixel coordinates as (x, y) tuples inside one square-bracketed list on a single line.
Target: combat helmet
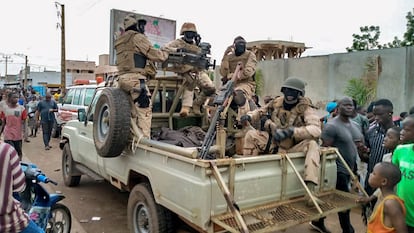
[(188, 27), (129, 21), (294, 83)]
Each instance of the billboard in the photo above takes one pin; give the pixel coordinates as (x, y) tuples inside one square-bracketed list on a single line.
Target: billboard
[(158, 30)]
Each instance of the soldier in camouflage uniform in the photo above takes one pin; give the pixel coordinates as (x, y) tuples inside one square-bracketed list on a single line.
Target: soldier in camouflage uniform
[(193, 76), (245, 85), (288, 124), (135, 56)]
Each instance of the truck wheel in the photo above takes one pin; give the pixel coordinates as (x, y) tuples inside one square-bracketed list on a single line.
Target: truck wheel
[(111, 122), (68, 168), (144, 215)]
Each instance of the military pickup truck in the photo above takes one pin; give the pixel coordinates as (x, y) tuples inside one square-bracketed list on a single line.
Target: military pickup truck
[(227, 193)]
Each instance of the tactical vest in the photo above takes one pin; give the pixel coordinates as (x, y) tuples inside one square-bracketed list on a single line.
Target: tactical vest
[(282, 118), (128, 58), (295, 117), (234, 60)]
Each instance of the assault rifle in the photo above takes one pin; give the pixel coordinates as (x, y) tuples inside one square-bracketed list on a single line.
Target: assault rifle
[(221, 101)]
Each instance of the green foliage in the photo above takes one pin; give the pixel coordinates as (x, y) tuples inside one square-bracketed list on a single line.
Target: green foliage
[(396, 43), (259, 82), (211, 75), (359, 90), (368, 39), (409, 34)]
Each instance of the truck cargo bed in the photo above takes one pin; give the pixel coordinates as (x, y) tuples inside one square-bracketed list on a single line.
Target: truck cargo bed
[(284, 214)]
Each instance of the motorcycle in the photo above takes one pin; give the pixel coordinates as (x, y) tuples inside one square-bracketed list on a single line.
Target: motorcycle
[(43, 207)]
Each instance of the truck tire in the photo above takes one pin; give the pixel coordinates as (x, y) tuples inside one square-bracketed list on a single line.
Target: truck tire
[(69, 179), (144, 215), (111, 122)]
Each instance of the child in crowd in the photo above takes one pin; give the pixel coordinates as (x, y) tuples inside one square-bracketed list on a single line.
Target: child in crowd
[(389, 214), (391, 141), (403, 157)]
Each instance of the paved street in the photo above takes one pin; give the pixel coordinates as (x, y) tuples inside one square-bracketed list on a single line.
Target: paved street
[(94, 200)]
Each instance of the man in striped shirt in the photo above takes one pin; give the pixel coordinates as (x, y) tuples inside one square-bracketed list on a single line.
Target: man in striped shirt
[(12, 216), (374, 137)]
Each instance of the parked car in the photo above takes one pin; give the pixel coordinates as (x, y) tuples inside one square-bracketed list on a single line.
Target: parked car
[(77, 97)]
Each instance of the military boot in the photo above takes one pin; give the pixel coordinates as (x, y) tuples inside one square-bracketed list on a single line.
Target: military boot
[(185, 110)]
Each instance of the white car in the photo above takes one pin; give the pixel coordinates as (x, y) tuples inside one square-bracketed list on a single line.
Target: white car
[(77, 97)]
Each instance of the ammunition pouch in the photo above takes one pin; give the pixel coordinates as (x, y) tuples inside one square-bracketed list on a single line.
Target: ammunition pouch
[(140, 61)]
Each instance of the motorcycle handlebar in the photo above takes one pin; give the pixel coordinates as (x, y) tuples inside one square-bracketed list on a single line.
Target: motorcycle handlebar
[(45, 179), (32, 172)]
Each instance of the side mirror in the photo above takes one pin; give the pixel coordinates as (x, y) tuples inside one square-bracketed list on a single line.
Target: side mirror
[(81, 114)]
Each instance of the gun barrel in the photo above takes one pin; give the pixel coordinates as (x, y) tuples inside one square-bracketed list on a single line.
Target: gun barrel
[(221, 101)]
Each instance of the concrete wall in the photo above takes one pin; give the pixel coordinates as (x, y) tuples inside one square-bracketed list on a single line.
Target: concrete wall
[(327, 76)]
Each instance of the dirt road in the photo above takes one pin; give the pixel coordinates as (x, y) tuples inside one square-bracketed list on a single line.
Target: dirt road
[(98, 207)]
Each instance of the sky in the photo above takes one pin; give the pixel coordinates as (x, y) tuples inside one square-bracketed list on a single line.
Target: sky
[(30, 27)]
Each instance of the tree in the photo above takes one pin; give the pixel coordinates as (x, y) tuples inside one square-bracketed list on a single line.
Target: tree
[(368, 39), (409, 34), (408, 38)]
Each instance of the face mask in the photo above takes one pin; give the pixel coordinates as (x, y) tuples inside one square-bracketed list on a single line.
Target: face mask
[(189, 36), (239, 48), (141, 27), (290, 94)]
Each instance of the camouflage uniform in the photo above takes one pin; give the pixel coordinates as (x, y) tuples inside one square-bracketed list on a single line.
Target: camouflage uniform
[(135, 56), (307, 130), (193, 76), (246, 82)]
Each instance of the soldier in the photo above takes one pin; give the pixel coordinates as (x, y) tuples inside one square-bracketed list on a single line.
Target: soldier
[(245, 85), (288, 124), (135, 56), (193, 76)]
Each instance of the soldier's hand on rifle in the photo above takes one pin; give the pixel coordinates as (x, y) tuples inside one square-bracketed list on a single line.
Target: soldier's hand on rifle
[(263, 121), (282, 134), (224, 80)]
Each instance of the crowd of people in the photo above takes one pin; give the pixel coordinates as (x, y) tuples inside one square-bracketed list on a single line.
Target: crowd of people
[(19, 114), (373, 145), (22, 113), (383, 135)]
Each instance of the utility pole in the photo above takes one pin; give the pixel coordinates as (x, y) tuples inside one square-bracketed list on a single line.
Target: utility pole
[(25, 72), (63, 49), (6, 60), (26, 68)]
